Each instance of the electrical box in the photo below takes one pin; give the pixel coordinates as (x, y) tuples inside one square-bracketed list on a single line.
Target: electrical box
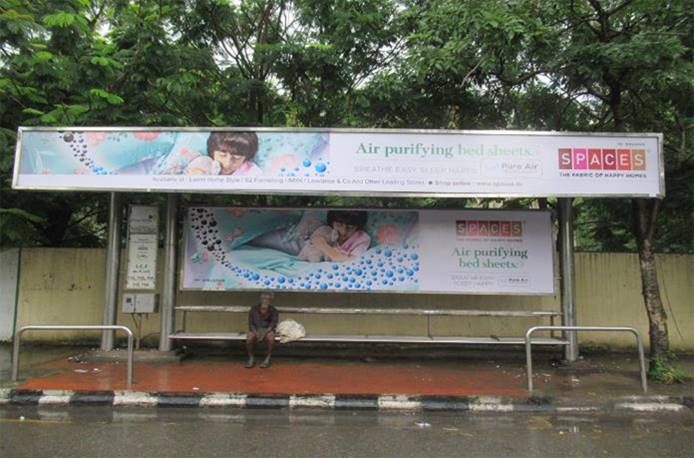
[(140, 303)]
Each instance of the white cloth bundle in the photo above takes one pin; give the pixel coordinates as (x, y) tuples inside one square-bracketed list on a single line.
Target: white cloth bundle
[(290, 330)]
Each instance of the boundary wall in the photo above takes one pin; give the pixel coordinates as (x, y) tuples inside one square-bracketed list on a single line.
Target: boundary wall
[(66, 286)]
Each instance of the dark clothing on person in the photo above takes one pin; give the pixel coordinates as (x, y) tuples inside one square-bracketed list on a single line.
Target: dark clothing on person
[(257, 321)]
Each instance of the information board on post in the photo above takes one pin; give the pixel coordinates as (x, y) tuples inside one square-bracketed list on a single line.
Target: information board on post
[(418, 251), (143, 243), (341, 162)]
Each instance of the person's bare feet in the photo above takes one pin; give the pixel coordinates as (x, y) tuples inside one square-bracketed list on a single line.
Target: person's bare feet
[(250, 363), (265, 363)]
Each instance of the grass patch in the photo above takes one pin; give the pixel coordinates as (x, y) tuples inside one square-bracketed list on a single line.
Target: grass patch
[(663, 369)]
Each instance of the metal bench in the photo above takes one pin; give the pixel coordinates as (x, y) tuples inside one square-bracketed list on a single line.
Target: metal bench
[(429, 338)]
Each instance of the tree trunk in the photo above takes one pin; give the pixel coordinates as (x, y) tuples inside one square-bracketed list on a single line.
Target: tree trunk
[(644, 214)]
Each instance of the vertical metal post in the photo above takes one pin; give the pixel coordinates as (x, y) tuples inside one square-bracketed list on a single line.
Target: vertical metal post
[(642, 360), (568, 293), (112, 267), (15, 355), (130, 359), (529, 361), (168, 294)]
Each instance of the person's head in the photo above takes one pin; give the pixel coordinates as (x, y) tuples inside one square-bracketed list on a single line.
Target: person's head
[(347, 222), (232, 149), (265, 300)]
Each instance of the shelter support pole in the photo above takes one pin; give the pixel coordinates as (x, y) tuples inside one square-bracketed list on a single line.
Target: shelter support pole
[(568, 292), (168, 295), (115, 214)]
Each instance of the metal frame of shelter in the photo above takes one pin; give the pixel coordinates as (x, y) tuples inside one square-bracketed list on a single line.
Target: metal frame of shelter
[(167, 306)]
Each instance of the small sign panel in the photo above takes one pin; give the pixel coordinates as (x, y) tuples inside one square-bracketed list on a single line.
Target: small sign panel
[(143, 238)]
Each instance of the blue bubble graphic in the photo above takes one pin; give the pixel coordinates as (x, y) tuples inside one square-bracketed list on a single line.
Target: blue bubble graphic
[(306, 163), (320, 168)]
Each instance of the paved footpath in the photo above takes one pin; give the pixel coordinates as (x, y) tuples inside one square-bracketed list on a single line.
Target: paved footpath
[(471, 382)]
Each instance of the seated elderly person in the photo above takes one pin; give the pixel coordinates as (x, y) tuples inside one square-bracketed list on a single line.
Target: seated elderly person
[(262, 322)]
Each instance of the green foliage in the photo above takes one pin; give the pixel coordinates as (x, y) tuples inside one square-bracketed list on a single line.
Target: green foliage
[(458, 64), (663, 369), (627, 66)]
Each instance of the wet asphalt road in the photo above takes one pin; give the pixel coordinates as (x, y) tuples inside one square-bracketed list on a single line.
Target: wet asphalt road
[(174, 432)]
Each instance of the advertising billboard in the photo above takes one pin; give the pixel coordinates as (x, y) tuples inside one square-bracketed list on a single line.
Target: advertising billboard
[(341, 162), (355, 250)]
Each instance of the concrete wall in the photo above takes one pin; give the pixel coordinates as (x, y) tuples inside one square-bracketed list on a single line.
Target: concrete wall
[(9, 272), (609, 293), (67, 286)]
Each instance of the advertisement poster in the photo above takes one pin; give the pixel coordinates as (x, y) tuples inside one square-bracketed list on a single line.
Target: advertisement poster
[(344, 162), (425, 251)]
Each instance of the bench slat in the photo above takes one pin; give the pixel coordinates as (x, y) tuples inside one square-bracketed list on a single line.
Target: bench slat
[(373, 311), (379, 339)]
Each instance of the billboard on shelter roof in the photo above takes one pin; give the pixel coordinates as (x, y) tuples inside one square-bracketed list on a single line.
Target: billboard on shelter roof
[(425, 251), (344, 162)]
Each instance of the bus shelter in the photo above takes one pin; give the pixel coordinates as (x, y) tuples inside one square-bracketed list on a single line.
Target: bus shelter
[(448, 253)]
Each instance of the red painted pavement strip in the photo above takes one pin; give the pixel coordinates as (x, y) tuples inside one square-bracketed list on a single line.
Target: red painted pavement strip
[(283, 377)]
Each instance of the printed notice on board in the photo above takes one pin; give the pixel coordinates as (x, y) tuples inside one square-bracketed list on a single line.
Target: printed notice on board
[(142, 262)]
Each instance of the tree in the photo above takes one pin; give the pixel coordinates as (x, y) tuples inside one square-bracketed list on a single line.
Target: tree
[(589, 65), (623, 61), (582, 66), (93, 63), (47, 77)]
